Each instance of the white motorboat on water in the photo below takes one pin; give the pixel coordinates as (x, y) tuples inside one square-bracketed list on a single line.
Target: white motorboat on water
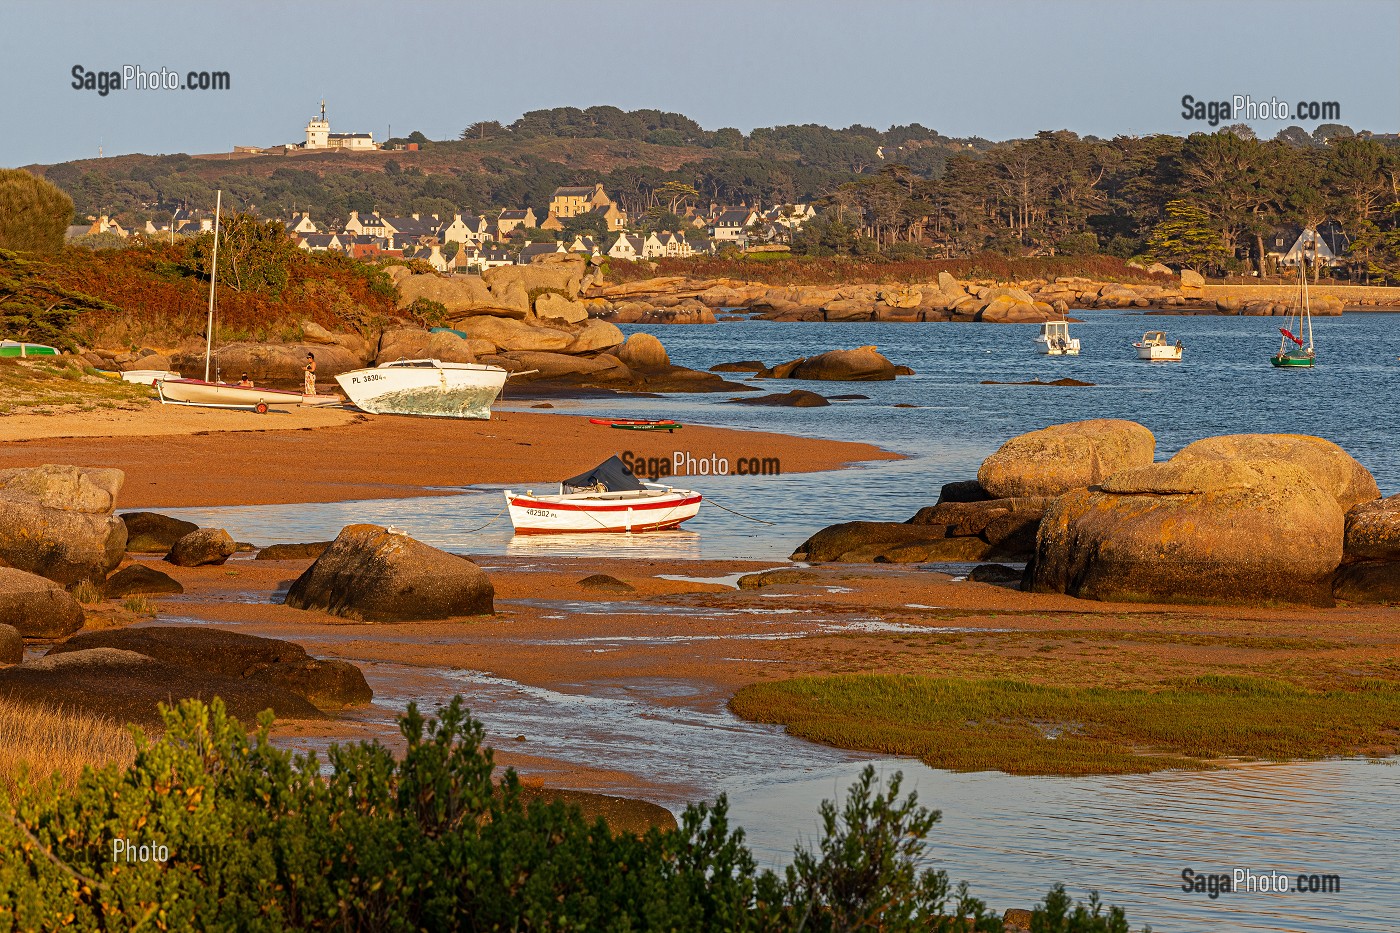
[(425, 387), (1054, 340), (608, 498), (1154, 348)]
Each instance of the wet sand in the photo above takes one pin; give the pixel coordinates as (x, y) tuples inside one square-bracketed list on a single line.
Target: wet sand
[(681, 648), (202, 457)]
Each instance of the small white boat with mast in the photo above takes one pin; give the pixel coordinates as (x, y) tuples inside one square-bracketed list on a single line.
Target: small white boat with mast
[(215, 394), (1154, 348), (1294, 350), (1054, 339)]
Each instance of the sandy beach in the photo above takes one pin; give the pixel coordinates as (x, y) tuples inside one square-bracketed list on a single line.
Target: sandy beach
[(179, 457)]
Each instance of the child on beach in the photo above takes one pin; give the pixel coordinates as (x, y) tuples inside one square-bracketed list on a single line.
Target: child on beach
[(310, 387)]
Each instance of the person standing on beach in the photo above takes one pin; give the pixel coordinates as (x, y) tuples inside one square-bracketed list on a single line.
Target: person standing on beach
[(309, 388)]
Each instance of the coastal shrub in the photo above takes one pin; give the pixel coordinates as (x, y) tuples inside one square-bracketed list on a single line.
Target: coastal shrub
[(213, 828), (34, 212)]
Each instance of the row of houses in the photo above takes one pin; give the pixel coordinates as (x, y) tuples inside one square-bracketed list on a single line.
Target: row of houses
[(478, 258)]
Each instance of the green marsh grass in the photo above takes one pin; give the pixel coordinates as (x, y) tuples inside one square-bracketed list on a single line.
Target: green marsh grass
[(1023, 728)]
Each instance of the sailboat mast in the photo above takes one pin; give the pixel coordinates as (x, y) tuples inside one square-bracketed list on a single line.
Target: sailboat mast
[(213, 277), (1307, 307)]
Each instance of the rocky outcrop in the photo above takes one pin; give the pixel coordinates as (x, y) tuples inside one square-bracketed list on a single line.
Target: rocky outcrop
[(553, 306), (888, 543), (863, 364), (11, 645), (270, 662), (57, 521), (461, 295), (603, 583), (37, 607), (272, 364), (128, 686), (415, 343), (140, 580), (1007, 526), (643, 351), (781, 576), (797, 398), (1331, 467), (153, 533), (373, 575), (206, 546), (1370, 572), (1194, 530), (1062, 457), (309, 551)]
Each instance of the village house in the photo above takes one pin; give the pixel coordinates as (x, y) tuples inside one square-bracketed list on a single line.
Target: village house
[(479, 259), (464, 228), (320, 243), (509, 220), (431, 254), (627, 247), (792, 216), (531, 250), (731, 225), (584, 244), (573, 201), (300, 223), (1323, 245), (369, 225), (552, 222), (614, 216)]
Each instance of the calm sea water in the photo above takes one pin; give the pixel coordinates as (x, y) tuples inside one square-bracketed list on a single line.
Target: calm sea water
[(1127, 836), (1225, 385)]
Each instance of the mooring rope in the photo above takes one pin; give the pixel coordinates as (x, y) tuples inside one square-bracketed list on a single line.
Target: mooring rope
[(740, 514)]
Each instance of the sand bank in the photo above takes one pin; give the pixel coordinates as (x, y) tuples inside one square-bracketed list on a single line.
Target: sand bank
[(202, 457)]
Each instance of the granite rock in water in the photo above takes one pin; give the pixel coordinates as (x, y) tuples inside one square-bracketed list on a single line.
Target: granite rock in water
[(373, 575)]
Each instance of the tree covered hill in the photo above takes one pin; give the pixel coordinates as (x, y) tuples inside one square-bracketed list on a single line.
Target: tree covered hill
[(906, 192)]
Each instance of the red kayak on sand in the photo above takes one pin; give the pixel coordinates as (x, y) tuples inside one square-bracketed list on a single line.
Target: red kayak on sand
[(627, 421)]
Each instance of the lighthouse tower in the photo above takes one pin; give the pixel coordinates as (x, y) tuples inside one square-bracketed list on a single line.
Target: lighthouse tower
[(318, 131)]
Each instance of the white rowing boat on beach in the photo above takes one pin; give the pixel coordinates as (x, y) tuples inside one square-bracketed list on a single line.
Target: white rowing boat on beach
[(425, 387), (608, 498), (229, 395)]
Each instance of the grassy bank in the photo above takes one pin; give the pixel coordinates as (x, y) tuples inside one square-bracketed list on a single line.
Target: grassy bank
[(43, 741), (785, 270), (1023, 728), (49, 385)]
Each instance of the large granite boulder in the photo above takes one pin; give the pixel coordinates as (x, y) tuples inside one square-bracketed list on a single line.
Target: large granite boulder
[(308, 551), (1193, 530), (153, 533), (1373, 530), (507, 334), (1330, 466), (553, 306), (373, 575), (863, 364), (1062, 457), (595, 335), (535, 365), (562, 273), (461, 295), (415, 343), (278, 664), (890, 542), (11, 645), (1008, 526), (57, 521), (203, 547), (128, 686), (37, 607), (643, 351), (140, 580), (1368, 582)]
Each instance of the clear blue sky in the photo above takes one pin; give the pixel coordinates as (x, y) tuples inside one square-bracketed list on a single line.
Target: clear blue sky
[(995, 68)]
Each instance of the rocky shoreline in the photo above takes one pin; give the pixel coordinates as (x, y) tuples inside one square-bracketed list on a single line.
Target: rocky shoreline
[(682, 300)]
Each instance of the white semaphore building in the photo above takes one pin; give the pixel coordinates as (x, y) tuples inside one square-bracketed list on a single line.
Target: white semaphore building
[(319, 136)]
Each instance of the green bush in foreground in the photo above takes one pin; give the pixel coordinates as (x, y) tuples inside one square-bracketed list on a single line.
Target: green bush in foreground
[(258, 838)]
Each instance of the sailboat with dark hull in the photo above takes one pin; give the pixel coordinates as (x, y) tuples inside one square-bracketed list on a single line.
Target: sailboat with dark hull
[(1295, 350)]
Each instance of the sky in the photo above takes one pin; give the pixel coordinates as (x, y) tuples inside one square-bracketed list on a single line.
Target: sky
[(996, 68)]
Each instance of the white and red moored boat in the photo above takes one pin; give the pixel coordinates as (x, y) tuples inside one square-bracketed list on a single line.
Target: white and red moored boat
[(607, 498)]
